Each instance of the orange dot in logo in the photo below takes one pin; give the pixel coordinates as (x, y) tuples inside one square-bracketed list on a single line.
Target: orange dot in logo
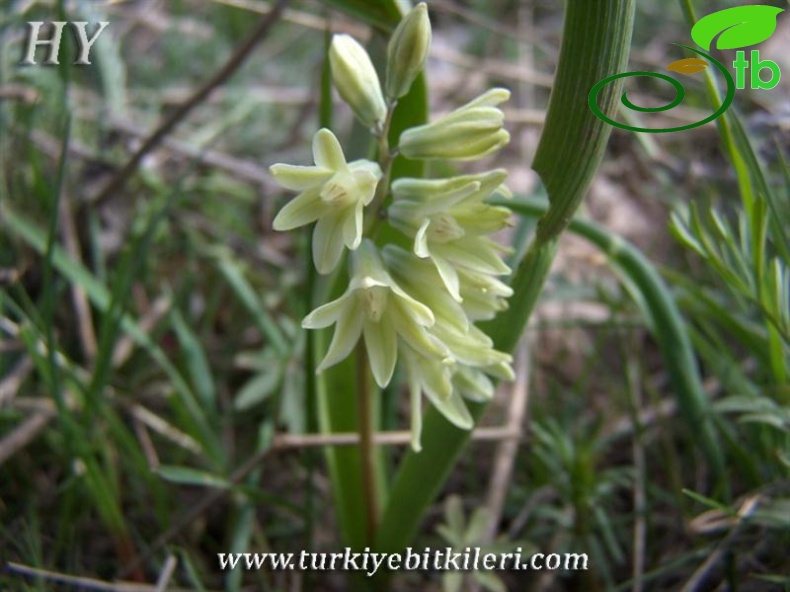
[(688, 66)]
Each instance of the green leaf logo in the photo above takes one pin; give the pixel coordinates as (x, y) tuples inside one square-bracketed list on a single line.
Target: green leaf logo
[(739, 26)]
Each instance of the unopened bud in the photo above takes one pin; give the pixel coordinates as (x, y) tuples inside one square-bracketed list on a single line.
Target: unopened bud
[(470, 132), (407, 51), (356, 80)]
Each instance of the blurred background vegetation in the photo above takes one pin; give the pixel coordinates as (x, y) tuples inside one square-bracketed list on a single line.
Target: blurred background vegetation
[(152, 393)]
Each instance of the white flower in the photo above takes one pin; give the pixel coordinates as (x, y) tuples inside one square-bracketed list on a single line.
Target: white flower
[(433, 377), (333, 193), (375, 307), (470, 132), (483, 296), (449, 223)]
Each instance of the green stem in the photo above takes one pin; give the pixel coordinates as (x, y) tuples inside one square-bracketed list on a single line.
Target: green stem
[(366, 448), (386, 159)]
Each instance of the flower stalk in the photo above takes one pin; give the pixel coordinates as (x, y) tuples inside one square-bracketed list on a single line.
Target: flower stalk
[(366, 445), (386, 158)]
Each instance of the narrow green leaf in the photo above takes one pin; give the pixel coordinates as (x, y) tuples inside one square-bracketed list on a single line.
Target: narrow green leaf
[(234, 275), (196, 360), (709, 502), (189, 476), (191, 571)]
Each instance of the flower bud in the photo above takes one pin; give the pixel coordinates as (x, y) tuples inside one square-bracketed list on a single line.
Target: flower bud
[(468, 133), (407, 51), (356, 80)]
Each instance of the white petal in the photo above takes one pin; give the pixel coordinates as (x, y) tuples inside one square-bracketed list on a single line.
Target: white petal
[(449, 276), (328, 242), (367, 175), (416, 413), (502, 370), (453, 409), (327, 152), (352, 226), (382, 345), (347, 332), (329, 313), (472, 252), (473, 384), (298, 178), (441, 203), (489, 98), (303, 209), (414, 309), (421, 240), (415, 336)]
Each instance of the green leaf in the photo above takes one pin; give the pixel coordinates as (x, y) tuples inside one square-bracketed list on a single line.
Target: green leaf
[(384, 15), (234, 275), (190, 476), (709, 502), (257, 389), (739, 26), (196, 360), (765, 419)]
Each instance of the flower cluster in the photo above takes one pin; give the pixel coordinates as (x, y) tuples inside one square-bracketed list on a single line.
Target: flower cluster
[(416, 304)]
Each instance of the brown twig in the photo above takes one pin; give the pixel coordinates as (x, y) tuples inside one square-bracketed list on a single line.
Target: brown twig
[(81, 583), (236, 60), (24, 433), (699, 578), (12, 381), (396, 438)]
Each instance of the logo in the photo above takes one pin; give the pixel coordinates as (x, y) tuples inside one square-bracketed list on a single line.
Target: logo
[(735, 28)]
